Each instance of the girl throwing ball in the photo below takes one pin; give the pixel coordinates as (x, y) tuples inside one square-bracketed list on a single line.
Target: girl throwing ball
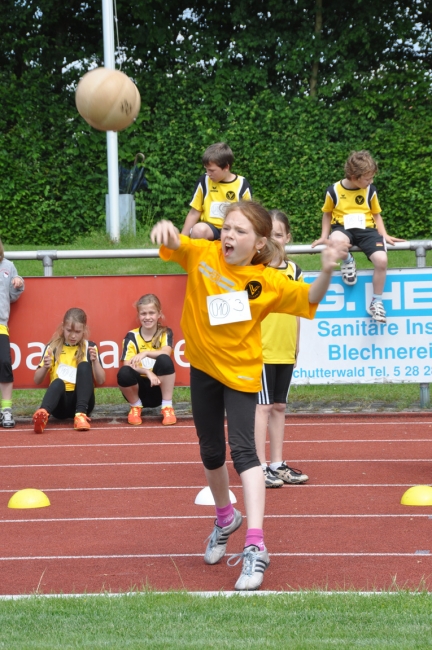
[(74, 366), (229, 292), (148, 376)]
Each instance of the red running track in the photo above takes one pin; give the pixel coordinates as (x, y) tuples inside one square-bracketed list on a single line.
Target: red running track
[(123, 516)]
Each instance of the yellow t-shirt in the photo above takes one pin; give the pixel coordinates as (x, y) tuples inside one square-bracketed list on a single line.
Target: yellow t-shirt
[(133, 343), (68, 359), (279, 331), (4, 330), (340, 202), (231, 353), (209, 198)]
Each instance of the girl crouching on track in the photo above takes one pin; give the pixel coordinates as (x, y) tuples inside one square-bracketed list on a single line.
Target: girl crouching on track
[(148, 376), (229, 292), (74, 366)]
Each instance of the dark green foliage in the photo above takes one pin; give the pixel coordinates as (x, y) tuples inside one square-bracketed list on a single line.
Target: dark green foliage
[(239, 73)]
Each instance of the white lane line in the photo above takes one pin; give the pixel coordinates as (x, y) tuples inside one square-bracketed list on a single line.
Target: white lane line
[(198, 462), (195, 443), (158, 518), (199, 487), (146, 427), (142, 556)]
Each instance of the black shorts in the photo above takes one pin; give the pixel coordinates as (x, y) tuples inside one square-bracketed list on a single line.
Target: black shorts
[(368, 239), (150, 396), (216, 231), (6, 374), (276, 380), (210, 399)]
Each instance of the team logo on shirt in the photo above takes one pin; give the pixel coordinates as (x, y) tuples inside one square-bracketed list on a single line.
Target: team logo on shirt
[(359, 199), (230, 196), (253, 289)]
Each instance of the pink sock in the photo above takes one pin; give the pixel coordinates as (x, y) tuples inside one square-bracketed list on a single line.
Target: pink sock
[(255, 536), (225, 515)]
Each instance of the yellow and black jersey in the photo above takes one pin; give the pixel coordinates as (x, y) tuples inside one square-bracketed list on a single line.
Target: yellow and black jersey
[(231, 353), (67, 361), (133, 343), (340, 202), (4, 329), (209, 198), (279, 331)]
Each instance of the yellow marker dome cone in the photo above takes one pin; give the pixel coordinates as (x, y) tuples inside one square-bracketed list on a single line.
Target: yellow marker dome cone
[(29, 498), (419, 495)]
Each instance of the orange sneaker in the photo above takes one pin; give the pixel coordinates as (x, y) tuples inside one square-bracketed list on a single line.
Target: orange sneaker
[(134, 415), (40, 419), (169, 416), (81, 422)]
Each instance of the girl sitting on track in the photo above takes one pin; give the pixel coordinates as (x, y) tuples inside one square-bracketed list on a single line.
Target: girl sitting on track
[(74, 365), (280, 339), (148, 376), (229, 292)]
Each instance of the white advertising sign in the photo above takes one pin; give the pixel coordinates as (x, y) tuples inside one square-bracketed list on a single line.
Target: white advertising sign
[(344, 345)]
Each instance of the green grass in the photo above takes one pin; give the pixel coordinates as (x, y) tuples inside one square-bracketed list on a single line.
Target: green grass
[(357, 397), (302, 621)]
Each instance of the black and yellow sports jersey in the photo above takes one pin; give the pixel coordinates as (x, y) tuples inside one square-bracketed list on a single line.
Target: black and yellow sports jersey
[(279, 331), (68, 358), (340, 202), (133, 343), (209, 198)]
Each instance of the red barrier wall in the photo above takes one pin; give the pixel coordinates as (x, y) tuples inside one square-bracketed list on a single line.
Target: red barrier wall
[(108, 303)]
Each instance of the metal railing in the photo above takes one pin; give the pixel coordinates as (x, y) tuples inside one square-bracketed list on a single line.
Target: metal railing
[(47, 257)]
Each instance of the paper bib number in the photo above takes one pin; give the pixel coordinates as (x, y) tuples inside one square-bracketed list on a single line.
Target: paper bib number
[(228, 308), (355, 220), (148, 363), (67, 373), (217, 209)]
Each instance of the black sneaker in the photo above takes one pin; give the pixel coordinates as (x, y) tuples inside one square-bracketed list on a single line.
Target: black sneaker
[(271, 479), (6, 419)]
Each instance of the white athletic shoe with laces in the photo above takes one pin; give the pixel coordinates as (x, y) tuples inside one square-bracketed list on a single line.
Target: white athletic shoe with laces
[(216, 547), (6, 419), (349, 272), (255, 562), (377, 311)]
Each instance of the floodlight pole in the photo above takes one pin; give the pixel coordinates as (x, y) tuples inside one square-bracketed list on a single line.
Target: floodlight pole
[(112, 142)]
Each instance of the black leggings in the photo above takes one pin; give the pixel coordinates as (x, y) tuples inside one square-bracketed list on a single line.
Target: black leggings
[(150, 396), (210, 398), (64, 404)]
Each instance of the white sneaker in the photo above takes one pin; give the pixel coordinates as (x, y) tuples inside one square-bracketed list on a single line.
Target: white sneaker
[(349, 272), (289, 474), (6, 419), (377, 311), (216, 548), (255, 562)]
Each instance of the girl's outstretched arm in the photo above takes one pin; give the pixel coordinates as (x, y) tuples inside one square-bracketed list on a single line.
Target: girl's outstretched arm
[(165, 232), (333, 252)]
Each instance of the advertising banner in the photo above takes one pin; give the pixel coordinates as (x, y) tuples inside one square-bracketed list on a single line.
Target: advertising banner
[(341, 345), (109, 304), (344, 345)]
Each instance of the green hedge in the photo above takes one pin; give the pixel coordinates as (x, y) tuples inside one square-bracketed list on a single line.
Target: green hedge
[(53, 165)]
